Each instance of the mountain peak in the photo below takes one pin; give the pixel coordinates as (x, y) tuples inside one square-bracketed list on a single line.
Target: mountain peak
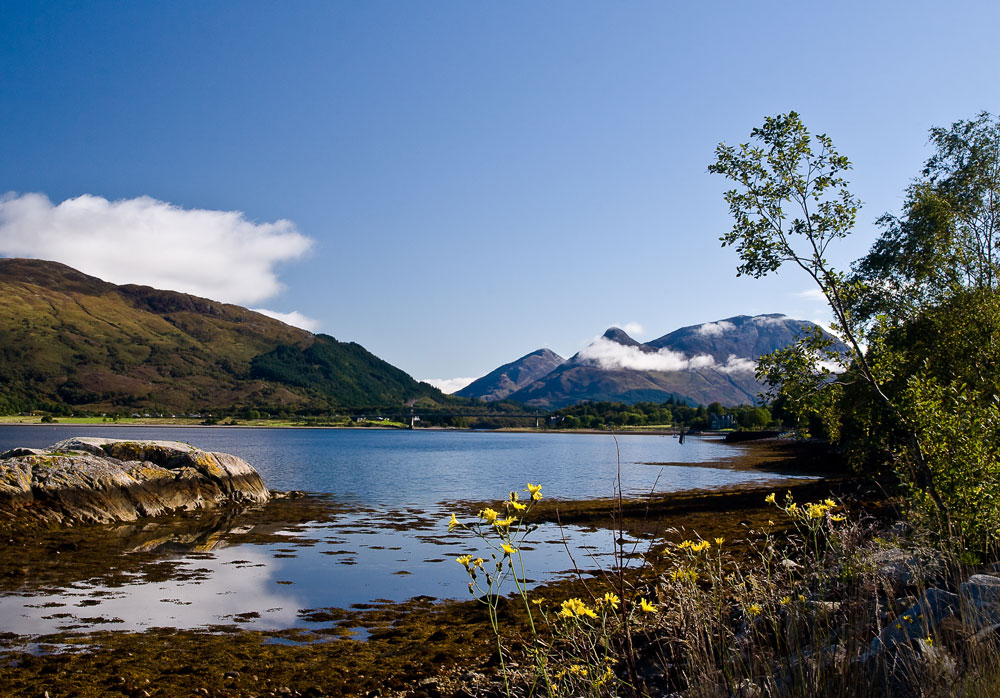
[(616, 334), (509, 378)]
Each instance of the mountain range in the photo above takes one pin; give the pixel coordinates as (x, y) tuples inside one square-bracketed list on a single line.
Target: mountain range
[(698, 364), (69, 340), (72, 340)]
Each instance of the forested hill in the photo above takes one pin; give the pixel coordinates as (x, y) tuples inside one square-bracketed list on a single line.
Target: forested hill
[(69, 340)]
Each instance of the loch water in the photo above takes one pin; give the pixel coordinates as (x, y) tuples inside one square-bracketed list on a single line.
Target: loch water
[(388, 540)]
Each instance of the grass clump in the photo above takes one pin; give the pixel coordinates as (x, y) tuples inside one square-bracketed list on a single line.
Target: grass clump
[(811, 610)]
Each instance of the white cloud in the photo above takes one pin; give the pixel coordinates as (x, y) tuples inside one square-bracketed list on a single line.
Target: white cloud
[(769, 319), (294, 318), (735, 364), (811, 294), (448, 385), (217, 254), (613, 356), (714, 329), (633, 329)]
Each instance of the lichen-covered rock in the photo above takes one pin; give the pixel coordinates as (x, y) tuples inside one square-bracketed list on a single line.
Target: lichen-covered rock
[(104, 480)]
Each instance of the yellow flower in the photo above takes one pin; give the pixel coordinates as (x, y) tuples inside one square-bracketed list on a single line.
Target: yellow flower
[(838, 518), (702, 545), (785, 600), (478, 562), (830, 503), (719, 541), (538, 602), (464, 560), (684, 544), (769, 498), (504, 523), (517, 505), (514, 496), (680, 575), (646, 606), (754, 609), (488, 515), (508, 549), (575, 608), (577, 669), (536, 491), (451, 524), (611, 600)]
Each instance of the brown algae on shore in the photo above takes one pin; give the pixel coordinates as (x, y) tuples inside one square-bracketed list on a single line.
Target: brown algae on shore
[(376, 648)]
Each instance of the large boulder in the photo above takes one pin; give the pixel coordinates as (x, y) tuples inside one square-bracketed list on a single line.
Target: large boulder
[(103, 480)]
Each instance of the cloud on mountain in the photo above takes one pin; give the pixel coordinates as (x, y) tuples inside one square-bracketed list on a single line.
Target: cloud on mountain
[(448, 385), (714, 329), (294, 318), (216, 254), (612, 356)]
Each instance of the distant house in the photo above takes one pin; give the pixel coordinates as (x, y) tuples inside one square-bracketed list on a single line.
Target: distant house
[(721, 421)]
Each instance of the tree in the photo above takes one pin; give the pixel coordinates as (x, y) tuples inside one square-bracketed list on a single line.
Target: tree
[(948, 239), (790, 203)]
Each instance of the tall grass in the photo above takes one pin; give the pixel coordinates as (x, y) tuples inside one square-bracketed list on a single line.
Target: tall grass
[(796, 616)]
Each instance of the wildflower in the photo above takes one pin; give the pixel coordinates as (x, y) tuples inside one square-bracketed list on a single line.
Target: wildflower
[(464, 560), (577, 669), (575, 608), (514, 496), (538, 602), (830, 504), (785, 600), (754, 609), (680, 575), (508, 549), (611, 600), (700, 546), (684, 544), (536, 491), (838, 518), (646, 606), (908, 618), (504, 523), (719, 541), (488, 515), (793, 508), (517, 505), (929, 640), (769, 498), (451, 524), (478, 562)]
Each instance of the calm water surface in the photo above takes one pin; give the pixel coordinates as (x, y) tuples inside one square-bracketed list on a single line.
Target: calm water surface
[(391, 542)]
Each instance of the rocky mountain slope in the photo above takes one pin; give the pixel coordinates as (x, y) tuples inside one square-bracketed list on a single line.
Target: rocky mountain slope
[(501, 382), (71, 340), (700, 364)]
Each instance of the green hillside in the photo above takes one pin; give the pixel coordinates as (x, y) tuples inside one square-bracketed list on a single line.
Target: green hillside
[(68, 340)]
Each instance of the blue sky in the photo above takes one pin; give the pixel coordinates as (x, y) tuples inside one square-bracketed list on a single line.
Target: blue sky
[(455, 184)]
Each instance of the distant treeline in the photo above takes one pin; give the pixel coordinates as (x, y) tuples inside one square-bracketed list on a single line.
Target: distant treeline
[(601, 415)]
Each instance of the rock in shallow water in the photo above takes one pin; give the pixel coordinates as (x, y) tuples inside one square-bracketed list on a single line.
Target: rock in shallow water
[(104, 480)]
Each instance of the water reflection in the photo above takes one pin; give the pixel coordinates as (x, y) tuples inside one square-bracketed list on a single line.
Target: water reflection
[(238, 570)]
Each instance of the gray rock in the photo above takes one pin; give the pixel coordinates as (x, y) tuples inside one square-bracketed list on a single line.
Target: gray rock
[(918, 621), (922, 669), (906, 569), (104, 480), (980, 601)]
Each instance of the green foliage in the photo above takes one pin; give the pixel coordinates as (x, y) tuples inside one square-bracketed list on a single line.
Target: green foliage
[(601, 415), (801, 378), (919, 313)]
